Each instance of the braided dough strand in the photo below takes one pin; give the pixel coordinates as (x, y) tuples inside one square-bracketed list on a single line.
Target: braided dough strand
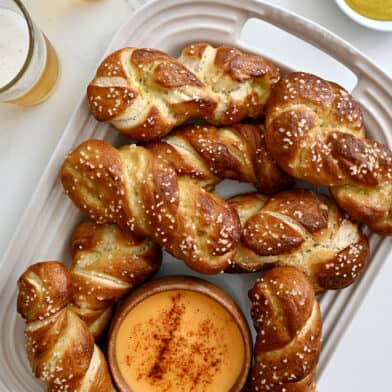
[(142, 193), (241, 82), (209, 154), (107, 263), (287, 319), (60, 347), (145, 93), (301, 229), (315, 132)]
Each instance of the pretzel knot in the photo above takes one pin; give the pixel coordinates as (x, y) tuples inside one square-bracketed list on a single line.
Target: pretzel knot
[(287, 319), (145, 93), (315, 132)]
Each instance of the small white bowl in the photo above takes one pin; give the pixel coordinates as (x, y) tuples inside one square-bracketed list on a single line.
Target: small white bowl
[(364, 21)]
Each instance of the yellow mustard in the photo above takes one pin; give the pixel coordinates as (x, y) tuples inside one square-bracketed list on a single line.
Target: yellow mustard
[(374, 9)]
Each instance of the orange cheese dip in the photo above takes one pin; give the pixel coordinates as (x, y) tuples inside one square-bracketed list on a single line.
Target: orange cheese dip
[(179, 340)]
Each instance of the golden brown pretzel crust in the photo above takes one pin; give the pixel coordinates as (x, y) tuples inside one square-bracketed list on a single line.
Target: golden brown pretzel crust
[(240, 82), (300, 229), (287, 319), (209, 155), (145, 93), (142, 193), (315, 132), (61, 349), (107, 263)]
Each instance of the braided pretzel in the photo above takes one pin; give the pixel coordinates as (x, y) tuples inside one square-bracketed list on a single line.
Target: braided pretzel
[(315, 132), (145, 93), (209, 155), (301, 229), (132, 188), (107, 263), (287, 319), (60, 347)]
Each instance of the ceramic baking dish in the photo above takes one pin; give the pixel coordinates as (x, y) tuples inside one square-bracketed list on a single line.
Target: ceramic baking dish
[(44, 231)]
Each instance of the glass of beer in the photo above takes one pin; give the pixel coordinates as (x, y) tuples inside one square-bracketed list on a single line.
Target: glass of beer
[(29, 66)]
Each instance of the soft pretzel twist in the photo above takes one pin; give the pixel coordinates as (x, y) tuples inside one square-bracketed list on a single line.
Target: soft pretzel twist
[(60, 347), (107, 263), (140, 192), (287, 320), (301, 229), (240, 82), (315, 132), (145, 93), (209, 155)]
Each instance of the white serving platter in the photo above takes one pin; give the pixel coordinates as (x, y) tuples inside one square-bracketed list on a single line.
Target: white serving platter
[(44, 231)]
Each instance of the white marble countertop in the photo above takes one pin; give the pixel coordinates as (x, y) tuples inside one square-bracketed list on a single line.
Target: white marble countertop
[(80, 30)]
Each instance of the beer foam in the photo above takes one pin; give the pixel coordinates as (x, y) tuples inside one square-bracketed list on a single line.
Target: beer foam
[(14, 44)]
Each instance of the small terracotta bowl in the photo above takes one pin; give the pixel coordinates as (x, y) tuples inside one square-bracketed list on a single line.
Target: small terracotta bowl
[(180, 283)]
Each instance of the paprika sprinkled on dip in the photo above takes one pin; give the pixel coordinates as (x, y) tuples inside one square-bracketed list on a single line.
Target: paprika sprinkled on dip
[(179, 334)]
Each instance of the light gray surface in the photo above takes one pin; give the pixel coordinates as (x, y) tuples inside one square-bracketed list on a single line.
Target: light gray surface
[(80, 30)]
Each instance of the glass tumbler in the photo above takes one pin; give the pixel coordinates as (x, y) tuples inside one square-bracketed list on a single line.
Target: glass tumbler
[(29, 66)]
